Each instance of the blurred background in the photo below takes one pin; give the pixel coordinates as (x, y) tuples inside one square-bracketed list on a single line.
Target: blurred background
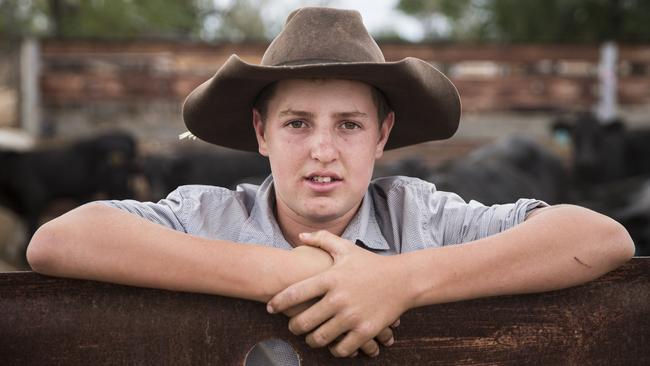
[(556, 100)]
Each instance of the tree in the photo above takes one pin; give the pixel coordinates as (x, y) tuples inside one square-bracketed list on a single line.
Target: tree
[(126, 19), (537, 21), (241, 21)]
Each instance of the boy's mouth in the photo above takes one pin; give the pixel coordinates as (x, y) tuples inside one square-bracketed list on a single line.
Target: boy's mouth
[(323, 177)]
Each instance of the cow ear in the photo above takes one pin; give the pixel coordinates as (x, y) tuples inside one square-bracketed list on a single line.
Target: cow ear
[(561, 126), (562, 132)]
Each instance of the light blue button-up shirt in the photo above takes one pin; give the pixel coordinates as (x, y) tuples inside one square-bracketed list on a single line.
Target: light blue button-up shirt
[(397, 215)]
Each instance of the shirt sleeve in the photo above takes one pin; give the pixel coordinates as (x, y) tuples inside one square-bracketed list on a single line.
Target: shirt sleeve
[(461, 221), (169, 212)]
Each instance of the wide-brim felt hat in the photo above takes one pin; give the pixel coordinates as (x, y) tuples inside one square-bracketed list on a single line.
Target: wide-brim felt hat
[(324, 43)]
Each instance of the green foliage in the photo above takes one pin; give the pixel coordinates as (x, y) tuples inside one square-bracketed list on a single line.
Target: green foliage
[(125, 19), (21, 17), (537, 21), (101, 18), (242, 21)]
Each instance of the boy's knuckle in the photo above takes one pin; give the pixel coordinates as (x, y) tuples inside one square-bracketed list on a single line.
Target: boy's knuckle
[(333, 301), (319, 339), (341, 351), (366, 329), (291, 296), (296, 326), (371, 347)]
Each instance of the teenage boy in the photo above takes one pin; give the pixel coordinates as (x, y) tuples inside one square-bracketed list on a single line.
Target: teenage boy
[(323, 105)]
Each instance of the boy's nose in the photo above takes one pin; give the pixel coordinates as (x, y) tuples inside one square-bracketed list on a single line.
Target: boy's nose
[(323, 147)]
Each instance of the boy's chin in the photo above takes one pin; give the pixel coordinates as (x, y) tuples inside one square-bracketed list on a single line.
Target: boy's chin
[(323, 218), (322, 215)]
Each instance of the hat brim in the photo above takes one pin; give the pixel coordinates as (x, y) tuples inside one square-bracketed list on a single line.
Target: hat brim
[(426, 103)]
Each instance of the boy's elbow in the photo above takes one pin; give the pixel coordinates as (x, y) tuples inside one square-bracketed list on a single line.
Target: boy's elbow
[(41, 251), (606, 238), (51, 247), (617, 242), (623, 243)]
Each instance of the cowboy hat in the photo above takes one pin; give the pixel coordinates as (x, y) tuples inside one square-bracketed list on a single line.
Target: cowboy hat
[(324, 43)]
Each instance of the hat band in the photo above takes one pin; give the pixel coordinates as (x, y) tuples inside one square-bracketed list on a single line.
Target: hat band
[(311, 61)]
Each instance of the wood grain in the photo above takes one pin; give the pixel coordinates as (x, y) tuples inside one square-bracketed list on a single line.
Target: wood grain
[(52, 321)]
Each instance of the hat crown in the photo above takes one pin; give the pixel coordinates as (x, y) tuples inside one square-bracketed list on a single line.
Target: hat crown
[(322, 35)]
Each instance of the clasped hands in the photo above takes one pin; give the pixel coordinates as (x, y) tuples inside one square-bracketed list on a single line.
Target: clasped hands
[(352, 305)]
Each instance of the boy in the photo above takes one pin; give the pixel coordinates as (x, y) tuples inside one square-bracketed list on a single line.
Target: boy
[(323, 104)]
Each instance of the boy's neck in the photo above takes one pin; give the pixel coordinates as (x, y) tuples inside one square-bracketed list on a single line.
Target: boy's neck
[(292, 225)]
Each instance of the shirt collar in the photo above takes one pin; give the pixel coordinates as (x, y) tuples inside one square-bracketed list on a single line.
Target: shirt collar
[(362, 229)]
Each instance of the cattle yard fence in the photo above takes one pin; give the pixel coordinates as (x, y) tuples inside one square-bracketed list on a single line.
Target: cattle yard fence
[(50, 321)]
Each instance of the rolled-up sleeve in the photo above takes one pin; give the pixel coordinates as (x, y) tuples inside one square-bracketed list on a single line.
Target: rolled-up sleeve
[(462, 221), (168, 212)]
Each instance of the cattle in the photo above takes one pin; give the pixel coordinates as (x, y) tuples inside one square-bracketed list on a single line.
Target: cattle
[(97, 167), (611, 171), (410, 167), (217, 167), (605, 152), (512, 168)]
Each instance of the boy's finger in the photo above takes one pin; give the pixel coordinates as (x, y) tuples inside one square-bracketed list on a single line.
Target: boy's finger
[(326, 241), (311, 318), (371, 348), (297, 293), (352, 341), (385, 337), (326, 333)]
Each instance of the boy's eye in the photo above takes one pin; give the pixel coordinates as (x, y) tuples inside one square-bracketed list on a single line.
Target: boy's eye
[(296, 124), (350, 125)]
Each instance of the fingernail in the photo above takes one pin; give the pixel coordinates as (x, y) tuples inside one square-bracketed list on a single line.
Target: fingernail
[(375, 354), (390, 342), (269, 308), (355, 354)]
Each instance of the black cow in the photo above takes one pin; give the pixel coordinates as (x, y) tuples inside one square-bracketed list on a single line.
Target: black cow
[(611, 172), (604, 152), (165, 173), (97, 167), (410, 167), (513, 168)]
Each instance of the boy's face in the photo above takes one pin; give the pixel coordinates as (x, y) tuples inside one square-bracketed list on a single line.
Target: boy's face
[(322, 138)]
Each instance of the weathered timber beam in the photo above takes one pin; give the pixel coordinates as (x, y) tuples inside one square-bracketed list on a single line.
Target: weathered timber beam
[(50, 321)]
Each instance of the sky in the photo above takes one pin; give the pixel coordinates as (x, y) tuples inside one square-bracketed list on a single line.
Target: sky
[(378, 15)]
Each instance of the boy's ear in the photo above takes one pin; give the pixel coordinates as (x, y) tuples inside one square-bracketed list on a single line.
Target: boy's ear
[(258, 125), (384, 133)]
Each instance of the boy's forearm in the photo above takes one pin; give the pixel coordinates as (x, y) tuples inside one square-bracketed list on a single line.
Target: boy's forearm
[(560, 247), (102, 243)]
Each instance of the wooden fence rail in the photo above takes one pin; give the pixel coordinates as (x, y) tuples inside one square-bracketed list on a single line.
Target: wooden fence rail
[(51, 321)]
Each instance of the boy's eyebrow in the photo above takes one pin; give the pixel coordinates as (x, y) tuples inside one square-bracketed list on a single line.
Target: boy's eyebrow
[(291, 112), (354, 114), (305, 114)]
